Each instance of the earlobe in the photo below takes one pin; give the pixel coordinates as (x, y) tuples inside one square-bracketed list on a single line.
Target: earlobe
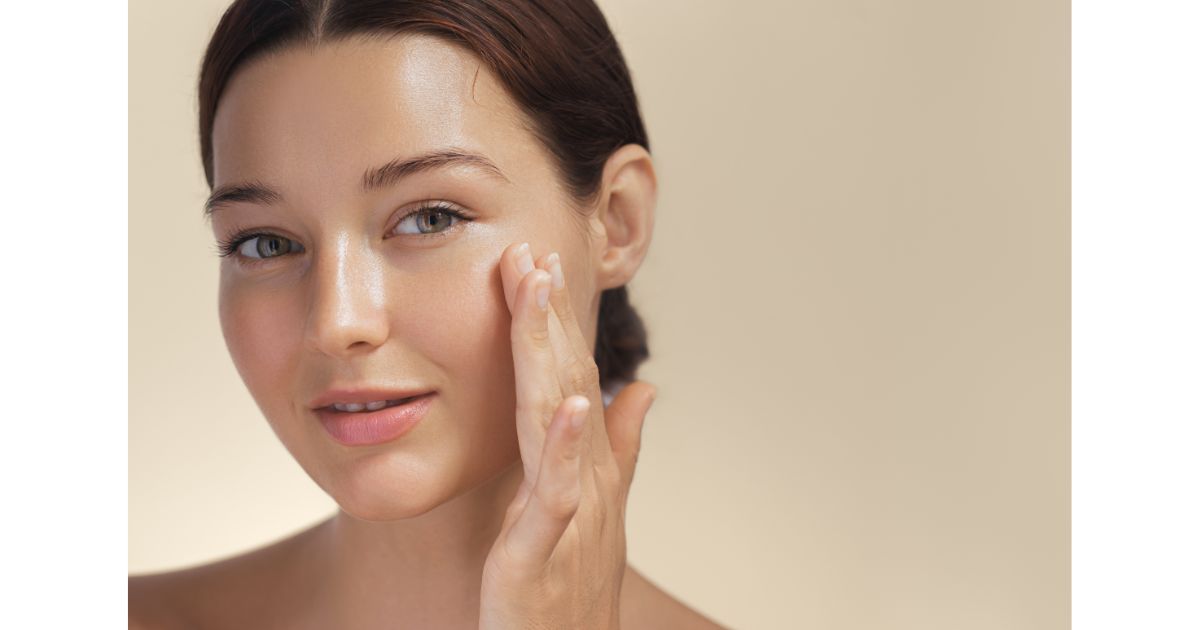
[(627, 204)]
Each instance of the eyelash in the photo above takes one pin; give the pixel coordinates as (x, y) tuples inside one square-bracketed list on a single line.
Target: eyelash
[(228, 246)]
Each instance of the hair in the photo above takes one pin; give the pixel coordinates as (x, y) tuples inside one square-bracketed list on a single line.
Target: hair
[(558, 60)]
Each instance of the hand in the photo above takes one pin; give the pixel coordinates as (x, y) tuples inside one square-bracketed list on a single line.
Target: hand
[(560, 556)]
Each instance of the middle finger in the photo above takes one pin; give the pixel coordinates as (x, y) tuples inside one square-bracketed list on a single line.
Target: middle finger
[(577, 369), (537, 391)]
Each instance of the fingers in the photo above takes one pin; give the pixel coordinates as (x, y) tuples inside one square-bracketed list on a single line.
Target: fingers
[(625, 416), (515, 264), (557, 493), (537, 390), (532, 355), (552, 359), (560, 303), (577, 369)]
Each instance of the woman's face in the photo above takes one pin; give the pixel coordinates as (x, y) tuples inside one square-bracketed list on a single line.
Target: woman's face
[(349, 291)]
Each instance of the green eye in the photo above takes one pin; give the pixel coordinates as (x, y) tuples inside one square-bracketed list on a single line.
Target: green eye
[(253, 247), (268, 246), (256, 246), (433, 220)]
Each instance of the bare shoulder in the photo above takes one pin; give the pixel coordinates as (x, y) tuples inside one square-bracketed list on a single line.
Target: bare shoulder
[(232, 592), (153, 603), (262, 588), (646, 606)]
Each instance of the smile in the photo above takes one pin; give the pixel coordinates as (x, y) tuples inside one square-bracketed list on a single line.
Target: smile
[(371, 406), (356, 424)]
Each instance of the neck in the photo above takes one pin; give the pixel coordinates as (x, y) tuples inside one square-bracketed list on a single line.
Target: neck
[(421, 572)]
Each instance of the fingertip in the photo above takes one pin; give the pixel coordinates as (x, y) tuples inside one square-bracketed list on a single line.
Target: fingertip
[(510, 252), (554, 266), (579, 410), (510, 273), (530, 324), (510, 260), (533, 284), (542, 288), (571, 420), (523, 257)]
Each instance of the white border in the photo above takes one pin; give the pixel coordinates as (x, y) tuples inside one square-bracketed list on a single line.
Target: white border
[(63, 167), (1136, 350)]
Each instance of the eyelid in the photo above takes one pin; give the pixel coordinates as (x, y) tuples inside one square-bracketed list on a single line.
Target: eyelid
[(231, 247), (433, 206)]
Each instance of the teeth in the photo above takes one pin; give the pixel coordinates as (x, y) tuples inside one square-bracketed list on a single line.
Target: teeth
[(371, 406)]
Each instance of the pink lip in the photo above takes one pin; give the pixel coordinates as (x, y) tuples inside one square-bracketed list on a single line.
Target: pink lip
[(374, 427)]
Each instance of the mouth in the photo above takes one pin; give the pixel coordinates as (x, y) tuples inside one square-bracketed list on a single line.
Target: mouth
[(357, 424)]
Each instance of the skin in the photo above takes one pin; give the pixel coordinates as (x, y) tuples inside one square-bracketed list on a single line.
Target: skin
[(474, 508)]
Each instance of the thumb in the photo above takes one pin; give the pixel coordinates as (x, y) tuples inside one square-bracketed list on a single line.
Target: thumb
[(624, 418)]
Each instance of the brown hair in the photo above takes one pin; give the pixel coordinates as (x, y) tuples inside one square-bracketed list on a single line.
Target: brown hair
[(557, 58)]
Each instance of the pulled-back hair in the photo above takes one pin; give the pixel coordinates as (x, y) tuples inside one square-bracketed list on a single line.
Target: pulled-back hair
[(557, 59)]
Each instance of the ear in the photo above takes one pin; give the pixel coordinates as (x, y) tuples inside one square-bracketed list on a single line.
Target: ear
[(624, 220)]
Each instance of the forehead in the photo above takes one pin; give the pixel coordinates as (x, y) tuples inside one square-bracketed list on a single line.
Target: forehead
[(316, 119)]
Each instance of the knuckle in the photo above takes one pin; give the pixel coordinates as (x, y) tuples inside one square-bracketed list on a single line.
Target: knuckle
[(539, 336), (536, 404), (564, 308), (599, 511), (511, 564), (610, 474), (560, 503), (512, 512), (583, 373)]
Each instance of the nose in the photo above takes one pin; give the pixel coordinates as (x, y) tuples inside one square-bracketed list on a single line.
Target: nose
[(347, 313)]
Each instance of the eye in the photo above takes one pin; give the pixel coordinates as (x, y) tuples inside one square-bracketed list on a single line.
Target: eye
[(253, 247), (257, 246), (437, 219)]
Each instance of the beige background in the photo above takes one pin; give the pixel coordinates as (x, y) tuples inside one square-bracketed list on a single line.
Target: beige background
[(857, 297)]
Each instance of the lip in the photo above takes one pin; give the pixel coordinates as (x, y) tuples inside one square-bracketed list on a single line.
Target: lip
[(363, 428)]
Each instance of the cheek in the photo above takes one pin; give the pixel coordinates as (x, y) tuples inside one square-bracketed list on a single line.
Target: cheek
[(258, 328), (464, 326), (469, 337)]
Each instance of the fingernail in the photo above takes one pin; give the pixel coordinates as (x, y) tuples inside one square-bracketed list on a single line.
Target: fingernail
[(524, 259), (556, 271), (543, 294), (579, 415)]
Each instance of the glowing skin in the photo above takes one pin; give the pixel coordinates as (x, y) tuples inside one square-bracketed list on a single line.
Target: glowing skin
[(360, 306), (363, 300)]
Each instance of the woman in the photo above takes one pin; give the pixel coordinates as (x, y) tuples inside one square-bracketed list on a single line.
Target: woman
[(426, 214)]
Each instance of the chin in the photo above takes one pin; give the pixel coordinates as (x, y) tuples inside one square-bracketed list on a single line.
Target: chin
[(388, 488), (383, 511)]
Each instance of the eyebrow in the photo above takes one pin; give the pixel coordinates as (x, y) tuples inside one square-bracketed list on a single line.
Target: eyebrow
[(373, 179)]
